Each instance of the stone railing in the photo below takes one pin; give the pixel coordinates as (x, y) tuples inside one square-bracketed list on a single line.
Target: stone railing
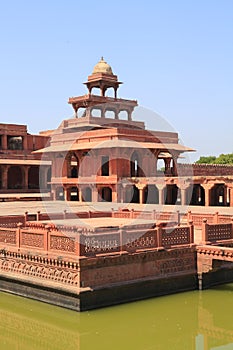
[(216, 218), (216, 233), (66, 241), (173, 217)]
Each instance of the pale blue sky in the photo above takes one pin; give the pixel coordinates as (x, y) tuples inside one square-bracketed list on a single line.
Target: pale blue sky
[(175, 57)]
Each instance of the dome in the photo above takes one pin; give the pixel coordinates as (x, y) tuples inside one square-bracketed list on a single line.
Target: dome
[(102, 67)]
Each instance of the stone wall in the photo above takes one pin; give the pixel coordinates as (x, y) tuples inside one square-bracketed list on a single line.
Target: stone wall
[(103, 271), (204, 170)]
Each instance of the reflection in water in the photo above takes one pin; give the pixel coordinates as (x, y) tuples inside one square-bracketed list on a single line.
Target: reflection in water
[(192, 320)]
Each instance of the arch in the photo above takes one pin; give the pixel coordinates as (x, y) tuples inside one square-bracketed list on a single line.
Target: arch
[(96, 112), (81, 112), (151, 194), (74, 193), (109, 92), (105, 166), (171, 194), (135, 166), (72, 166), (110, 114), (15, 178), (106, 194), (59, 193), (195, 195), (163, 166), (33, 177), (123, 115), (87, 194), (95, 91), (218, 195), (132, 194)]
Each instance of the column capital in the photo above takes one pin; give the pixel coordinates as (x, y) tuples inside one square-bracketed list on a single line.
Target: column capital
[(141, 186), (207, 186)]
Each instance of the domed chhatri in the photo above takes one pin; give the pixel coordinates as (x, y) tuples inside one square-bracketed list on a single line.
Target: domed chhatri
[(102, 67)]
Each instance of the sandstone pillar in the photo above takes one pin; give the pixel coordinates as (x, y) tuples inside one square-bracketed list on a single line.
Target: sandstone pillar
[(161, 193), (207, 188), (4, 176), (141, 193)]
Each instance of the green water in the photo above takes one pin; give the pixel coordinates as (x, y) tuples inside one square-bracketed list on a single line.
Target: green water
[(192, 320)]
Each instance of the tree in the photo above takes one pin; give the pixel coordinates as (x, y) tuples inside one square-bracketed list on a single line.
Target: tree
[(206, 160), (222, 159)]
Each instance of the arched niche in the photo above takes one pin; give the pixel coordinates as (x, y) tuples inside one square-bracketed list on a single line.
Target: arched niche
[(72, 165)]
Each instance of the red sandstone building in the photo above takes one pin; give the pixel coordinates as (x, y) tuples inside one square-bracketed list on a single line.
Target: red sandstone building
[(20, 170), (102, 154)]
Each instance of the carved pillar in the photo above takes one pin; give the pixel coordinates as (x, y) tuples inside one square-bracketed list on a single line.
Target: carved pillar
[(183, 194), (167, 162), (25, 179), (5, 176), (174, 165), (94, 193), (141, 193), (65, 194), (80, 192), (207, 188), (161, 193)]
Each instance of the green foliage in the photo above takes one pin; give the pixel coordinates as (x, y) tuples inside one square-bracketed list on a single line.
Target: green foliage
[(206, 160), (222, 159)]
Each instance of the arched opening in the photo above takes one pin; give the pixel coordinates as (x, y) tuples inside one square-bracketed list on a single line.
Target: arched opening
[(171, 194), (33, 177), (195, 195), (15, 178), (164, 164), (105, 166), (96, 91), (81, 113), (106, 194), (87, 194), (218, 195), (73, 166), (96, 112), (59, 193), (110, 92), (151, 194), (135, 166), (160, 168), (123, 115), (132, 194), (110, 114), (74, 194)]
